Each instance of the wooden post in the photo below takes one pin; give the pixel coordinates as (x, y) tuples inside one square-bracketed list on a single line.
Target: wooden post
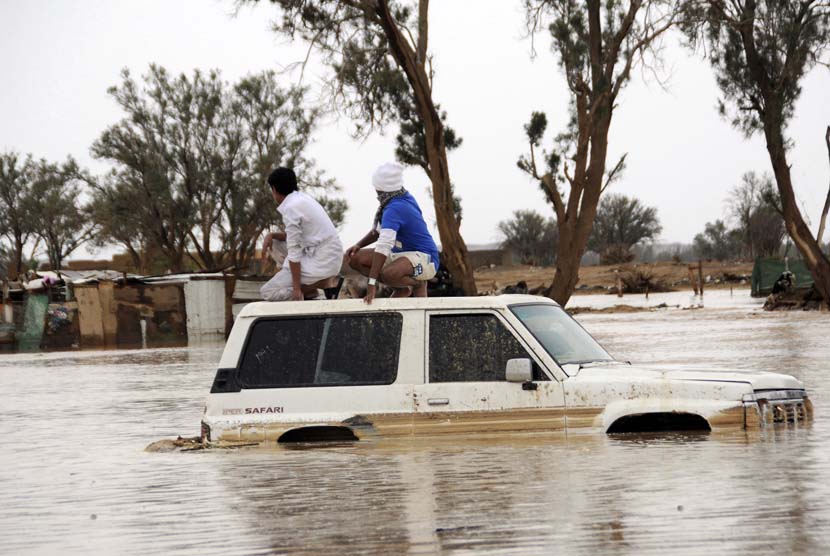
[(619, 285), (4, 294), (692, 279), (700, 276), (230, 286)]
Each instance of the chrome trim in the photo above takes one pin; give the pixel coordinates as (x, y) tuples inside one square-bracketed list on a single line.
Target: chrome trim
[(775, 395)]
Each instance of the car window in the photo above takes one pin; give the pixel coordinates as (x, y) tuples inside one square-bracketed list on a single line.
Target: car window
[(472, 348), (322, 351), (563, 338)]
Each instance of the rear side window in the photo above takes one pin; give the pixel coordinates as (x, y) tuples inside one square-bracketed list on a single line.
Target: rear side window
[(322, 351), (472, 348)]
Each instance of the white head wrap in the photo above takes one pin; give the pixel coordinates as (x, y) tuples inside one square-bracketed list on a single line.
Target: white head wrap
[(388, 177)]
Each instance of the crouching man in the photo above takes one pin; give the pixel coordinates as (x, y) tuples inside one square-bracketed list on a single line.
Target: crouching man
[(313, 251), (405, 256)]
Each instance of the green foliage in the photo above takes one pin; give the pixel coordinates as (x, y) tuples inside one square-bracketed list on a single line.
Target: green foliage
[(531, 236), (535, 129), (191, 159), (16, 223), (58, 216), (620, 223), (755, 206), (596, 45), (717, 242), (367, 83), (788, 38), (411, 143)]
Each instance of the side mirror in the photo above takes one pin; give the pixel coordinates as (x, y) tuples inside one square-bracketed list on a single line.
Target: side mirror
[(519, 370)]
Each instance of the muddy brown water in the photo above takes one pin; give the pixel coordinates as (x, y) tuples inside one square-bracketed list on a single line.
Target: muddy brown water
[(74, 477)]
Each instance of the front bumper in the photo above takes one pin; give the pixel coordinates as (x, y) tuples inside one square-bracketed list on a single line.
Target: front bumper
[(777, 407)]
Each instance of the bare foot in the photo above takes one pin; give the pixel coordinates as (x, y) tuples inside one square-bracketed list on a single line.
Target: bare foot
[(406, 291)]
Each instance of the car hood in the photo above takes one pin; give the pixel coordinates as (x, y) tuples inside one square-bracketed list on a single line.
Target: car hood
[(759, 380)]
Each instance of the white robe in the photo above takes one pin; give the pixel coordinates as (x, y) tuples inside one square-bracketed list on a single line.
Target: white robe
[(311, 240)]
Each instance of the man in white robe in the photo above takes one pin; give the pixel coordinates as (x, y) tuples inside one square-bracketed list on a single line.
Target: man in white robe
[(313, 251)]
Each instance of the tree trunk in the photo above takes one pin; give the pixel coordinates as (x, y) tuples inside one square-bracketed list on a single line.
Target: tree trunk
[(566, 275), (17, 260), (452, 244), (826, 209), (579, 221), (817, 262)]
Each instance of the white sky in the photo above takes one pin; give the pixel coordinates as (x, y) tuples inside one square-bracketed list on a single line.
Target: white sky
[(59, 58)]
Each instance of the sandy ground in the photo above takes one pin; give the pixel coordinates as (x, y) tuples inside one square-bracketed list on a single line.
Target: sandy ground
[(592, 278)]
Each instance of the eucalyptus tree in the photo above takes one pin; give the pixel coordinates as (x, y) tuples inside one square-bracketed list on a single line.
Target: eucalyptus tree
[(59, 216), (16, 225), (113, 209), (760, 50), (755, 206), (717, 242), (622, 222), (597, 45), (382, 72), (191, 157), (529, 234)]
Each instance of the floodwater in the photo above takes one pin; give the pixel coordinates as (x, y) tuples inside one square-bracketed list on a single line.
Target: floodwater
[(74, 477)]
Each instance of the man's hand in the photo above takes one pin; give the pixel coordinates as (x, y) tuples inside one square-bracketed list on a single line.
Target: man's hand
[(370, 294), (297, 295), (266, 246), (350, 252)]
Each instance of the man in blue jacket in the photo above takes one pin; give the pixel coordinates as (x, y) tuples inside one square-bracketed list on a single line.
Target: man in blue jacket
[(405, 256)]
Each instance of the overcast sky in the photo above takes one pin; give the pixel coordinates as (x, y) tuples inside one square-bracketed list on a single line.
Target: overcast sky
[(59, 58)]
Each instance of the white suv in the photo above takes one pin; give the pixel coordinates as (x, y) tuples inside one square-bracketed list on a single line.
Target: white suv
[(335, 370)]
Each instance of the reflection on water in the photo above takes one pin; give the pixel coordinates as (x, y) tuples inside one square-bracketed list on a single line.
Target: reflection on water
[(75, 478)]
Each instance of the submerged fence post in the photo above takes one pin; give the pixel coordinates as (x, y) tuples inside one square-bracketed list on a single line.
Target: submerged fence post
[(692, 279)]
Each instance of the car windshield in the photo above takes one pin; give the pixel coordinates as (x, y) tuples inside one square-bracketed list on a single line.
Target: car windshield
[(563, 338)]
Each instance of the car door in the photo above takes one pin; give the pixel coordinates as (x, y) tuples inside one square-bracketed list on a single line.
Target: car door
[(465, 389), (323, 370)]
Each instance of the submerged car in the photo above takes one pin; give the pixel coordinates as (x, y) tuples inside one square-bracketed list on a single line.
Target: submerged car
[(336, 370)]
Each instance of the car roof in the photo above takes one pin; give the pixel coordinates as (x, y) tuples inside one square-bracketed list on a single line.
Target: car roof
[(264, 308)]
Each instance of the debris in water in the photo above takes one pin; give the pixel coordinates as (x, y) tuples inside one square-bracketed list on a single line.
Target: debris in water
[(192, 444)]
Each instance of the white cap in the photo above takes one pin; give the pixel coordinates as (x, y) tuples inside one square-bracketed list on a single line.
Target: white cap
[(388, 177)]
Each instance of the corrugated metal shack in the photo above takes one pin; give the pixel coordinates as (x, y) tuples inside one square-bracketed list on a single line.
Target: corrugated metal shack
[(88, 309)]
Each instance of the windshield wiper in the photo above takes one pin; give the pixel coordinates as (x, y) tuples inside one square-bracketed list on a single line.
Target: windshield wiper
[(583, 364)]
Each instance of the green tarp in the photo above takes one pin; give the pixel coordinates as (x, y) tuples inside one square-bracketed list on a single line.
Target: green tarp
[(32, 335), (767, 271)]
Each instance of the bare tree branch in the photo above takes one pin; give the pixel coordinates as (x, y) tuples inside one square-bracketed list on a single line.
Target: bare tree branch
[(613, 174), (423, 30), (824, 212)]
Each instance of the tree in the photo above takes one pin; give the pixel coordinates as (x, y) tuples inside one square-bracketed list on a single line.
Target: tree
[(753, 205), (191, 159), (529, 235), (5, 262), (716, 242), (622, 222), (382, 72), (16, 226), (58, 218), (760, 50), (597, 45), (826, 209)]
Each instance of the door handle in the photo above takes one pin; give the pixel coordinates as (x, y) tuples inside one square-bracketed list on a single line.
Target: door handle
[(438, 401)]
